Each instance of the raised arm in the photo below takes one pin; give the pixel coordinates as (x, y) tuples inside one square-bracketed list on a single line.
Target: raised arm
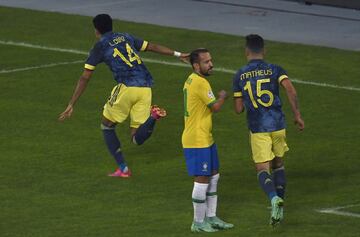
[(79, 89), (166, 51), (293, 100)]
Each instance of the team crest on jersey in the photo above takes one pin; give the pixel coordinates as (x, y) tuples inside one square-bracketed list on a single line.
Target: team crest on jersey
[(211, 94), (205, 166)]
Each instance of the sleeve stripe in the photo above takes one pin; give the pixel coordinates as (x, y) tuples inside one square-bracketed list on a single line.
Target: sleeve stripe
[(144, 46), (238, 94), (211, 103), (282, 78), (89, 67)]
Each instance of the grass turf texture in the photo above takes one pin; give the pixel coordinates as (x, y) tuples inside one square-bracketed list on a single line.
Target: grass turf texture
[(53, 175)]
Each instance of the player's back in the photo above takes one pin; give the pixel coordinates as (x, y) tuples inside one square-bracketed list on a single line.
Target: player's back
[(258, 82), (120, 52)]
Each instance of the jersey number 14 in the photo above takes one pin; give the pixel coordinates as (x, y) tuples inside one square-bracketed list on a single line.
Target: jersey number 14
[(132, 56)]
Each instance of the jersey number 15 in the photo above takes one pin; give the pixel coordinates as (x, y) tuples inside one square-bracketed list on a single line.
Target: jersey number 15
[(259, 93)]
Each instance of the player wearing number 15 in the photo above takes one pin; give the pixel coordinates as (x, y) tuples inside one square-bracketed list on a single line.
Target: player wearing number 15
[(132, 93), (256, 86)]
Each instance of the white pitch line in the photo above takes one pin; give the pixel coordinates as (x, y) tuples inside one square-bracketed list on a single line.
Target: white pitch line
[(339, 213), (225, 70), (349, 88), (89, 6), (38, 67), (34, 46), (336, 211)]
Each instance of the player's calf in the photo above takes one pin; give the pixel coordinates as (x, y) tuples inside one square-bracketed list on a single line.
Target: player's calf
[(114, 146), (146, 129)]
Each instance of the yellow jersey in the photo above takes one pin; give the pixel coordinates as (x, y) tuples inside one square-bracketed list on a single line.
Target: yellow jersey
[(198, 98)]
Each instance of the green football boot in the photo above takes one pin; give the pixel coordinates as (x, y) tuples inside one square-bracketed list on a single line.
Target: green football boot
[(276, 210), (281, 214), (202, 227), (217, 223)]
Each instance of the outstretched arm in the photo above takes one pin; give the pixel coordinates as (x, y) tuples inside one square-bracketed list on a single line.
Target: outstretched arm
[(166, 51), (293, 100), (79, 89)]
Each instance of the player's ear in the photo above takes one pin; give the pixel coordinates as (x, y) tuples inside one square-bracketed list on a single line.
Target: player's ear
[(97, 34), (247, 52), (196, 66)]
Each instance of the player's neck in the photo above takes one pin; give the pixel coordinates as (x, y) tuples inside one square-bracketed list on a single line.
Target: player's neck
[(199, 74), (255, 57)]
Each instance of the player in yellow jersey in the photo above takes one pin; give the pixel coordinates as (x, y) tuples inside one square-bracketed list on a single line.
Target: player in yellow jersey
[(199, 148)]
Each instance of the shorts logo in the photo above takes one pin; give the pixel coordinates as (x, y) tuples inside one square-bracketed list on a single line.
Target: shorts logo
[(205, 166)]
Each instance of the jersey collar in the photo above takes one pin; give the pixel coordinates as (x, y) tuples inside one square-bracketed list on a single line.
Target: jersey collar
[(106, 34), (255, 61)]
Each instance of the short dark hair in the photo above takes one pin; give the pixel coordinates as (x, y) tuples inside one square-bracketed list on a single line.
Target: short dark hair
[(103, 23), (255, 43), (194, 55)]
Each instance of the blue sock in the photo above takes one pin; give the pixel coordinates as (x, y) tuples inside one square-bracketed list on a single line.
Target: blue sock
[(266, 183), (280, 181), (113, 145), (144, 131)]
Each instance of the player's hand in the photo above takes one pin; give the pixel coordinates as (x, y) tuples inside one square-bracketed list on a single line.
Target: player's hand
[(185, 57), (222, 94), (66, 114), (299, 122)]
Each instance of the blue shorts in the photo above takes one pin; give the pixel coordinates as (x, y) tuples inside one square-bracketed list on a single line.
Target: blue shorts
[(201, 161)]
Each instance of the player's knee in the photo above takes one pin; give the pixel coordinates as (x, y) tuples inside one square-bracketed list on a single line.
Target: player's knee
[(136, 142), (277, 162), (107, 123), (262, 167), (202, 179), (106, 127)]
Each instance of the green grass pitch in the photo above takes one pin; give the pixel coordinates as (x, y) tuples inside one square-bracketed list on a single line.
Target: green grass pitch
[(53, 176)]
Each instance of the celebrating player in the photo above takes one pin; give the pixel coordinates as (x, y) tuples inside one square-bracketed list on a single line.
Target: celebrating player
[(256, 86), (132, 94), (199, 148)]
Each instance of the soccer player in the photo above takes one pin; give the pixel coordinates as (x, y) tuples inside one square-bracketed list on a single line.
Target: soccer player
[(256, 86), (199, 148), (132, 94)]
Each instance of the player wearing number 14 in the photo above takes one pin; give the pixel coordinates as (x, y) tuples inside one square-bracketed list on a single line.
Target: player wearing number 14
[(256, 86), (132, 92)]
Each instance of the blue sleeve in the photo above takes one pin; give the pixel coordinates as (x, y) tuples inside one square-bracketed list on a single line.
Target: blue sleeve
[(281, 74), (139, 44), (236, 85), (95, 57)]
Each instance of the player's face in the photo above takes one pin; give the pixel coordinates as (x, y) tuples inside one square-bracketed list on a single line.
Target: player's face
[(205, 64)]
